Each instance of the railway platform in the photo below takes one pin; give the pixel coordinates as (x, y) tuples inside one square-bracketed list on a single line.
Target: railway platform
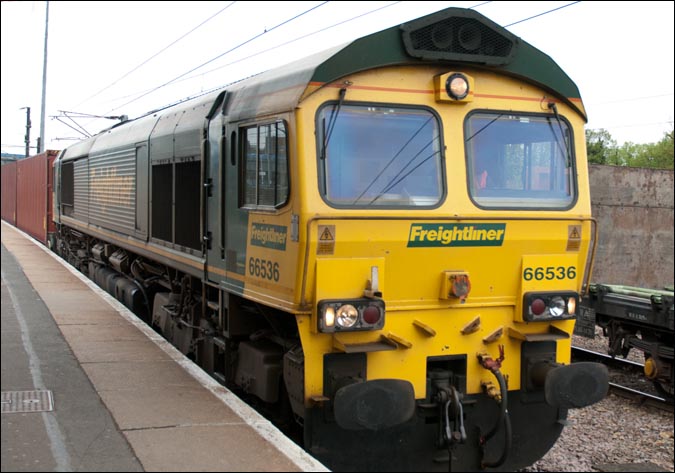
[(86, 386)]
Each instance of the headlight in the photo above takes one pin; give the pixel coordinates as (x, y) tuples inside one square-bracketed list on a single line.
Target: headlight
[(347, 315), (539, 306), (350, 315), (557, 306)]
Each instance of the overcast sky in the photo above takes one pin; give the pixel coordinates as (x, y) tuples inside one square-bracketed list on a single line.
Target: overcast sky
[(114, 58)]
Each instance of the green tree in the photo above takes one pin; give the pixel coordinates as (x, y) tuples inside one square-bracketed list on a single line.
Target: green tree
[(599, 144), (628, 153), (603, 149), (656, 155)]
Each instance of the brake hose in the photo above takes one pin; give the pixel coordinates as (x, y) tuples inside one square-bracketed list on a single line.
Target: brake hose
[(503, 416)]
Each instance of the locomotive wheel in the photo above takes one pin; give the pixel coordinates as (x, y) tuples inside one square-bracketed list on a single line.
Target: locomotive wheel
[(665, 390)]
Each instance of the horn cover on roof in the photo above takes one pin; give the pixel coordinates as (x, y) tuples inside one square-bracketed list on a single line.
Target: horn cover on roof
[(459, 35)]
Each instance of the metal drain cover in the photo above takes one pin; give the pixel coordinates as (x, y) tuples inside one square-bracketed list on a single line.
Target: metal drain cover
[(27, 401)]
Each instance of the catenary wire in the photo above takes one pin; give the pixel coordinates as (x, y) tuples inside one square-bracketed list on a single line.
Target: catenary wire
[(156, 54), (182, 76), (220, 55)]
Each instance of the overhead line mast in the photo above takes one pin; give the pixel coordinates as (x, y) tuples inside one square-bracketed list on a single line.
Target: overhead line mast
[(41, 139)]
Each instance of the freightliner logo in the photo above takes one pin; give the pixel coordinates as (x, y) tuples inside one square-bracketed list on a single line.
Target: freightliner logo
[(458, 234), (268, 236)]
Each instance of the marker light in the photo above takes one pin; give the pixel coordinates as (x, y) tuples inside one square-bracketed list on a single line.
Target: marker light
[(329, 317), (371, 314), (538, 306), (571, 305), (457, 86)]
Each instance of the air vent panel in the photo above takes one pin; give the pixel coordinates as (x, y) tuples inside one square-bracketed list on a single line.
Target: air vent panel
[(454, 35)]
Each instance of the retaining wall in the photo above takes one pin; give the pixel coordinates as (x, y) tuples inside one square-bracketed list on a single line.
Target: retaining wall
[(634, 210)]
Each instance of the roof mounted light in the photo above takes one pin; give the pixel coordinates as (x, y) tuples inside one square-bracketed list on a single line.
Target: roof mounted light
[(457, 86), (454, 87)]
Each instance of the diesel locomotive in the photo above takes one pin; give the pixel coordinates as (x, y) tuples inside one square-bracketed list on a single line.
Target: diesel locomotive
[(384, 243)]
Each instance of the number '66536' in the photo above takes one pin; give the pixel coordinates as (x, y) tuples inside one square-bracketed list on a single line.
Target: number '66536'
[(549, 273), (262, 268)]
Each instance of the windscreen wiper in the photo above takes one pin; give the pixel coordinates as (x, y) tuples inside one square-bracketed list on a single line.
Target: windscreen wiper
[(331, 123), (566, 151)]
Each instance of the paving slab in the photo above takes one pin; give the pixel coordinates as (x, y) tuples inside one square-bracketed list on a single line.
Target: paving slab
[(165, 374), (224, 448), (98, 316), (83, 333), (88, 351), (79, 299), (135, 409)]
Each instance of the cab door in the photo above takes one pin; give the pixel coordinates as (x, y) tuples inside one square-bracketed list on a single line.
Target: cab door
[(213, 191)]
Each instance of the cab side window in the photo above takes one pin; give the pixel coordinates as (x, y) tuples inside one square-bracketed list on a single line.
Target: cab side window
[(264, 166)]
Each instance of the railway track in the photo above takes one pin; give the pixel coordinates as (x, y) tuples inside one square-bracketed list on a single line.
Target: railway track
[(627, 378)]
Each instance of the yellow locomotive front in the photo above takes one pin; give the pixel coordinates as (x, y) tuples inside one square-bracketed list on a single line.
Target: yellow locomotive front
[(446, 221)]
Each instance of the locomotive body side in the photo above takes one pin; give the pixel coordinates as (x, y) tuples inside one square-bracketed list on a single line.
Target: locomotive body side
[(137, 187)]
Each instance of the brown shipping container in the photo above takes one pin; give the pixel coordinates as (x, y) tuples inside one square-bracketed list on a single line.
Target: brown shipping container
[(34, 196), (9, 192)]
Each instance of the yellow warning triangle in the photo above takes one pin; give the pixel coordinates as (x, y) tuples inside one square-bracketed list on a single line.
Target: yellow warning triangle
[(574, 233), (326, 235)]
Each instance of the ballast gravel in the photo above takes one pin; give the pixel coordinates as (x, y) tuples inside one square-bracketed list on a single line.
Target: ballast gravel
[(615, 431)]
